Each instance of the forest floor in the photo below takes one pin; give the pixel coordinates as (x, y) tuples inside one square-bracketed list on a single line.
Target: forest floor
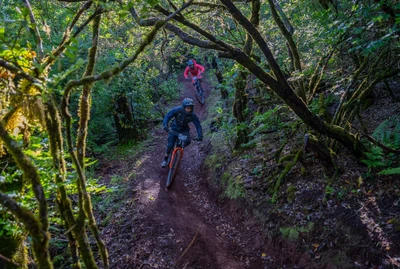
[(192, 226)]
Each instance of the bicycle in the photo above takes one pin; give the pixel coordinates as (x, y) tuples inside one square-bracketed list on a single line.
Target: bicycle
[(199, 90), (175, 157)]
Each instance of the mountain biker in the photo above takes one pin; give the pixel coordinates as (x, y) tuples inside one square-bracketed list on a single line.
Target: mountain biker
[(194, 69), (182, 116)]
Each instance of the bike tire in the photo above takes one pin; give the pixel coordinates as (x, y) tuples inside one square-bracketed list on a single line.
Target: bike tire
[(173, 170), (200, 95)]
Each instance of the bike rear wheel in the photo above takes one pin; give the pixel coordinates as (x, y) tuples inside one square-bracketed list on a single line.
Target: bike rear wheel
[(200, 94), (173, 170)]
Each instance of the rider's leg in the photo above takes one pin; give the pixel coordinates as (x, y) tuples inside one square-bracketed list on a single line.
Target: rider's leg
[(171, 141), (187, 142)]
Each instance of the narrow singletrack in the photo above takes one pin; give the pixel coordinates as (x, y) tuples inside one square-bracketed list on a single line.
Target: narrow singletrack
[(184, 227)]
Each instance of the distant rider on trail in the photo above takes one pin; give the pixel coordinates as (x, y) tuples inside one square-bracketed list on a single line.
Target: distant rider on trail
[(182, 115), (194, 69)]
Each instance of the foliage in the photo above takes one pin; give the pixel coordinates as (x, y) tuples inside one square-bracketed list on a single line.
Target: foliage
[(234, 186), (375, 158), (388, 133), (47, 61), (293, 233)]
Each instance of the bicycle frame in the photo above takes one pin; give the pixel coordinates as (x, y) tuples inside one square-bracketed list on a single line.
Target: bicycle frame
[(178, 147), (199, 90), (197, 82), (172, 163)]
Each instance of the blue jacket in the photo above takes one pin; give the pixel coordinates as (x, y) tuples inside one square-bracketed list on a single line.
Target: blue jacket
[(181, 120)]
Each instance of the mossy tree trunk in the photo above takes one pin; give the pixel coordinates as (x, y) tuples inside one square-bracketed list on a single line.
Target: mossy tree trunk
[(240, 109), (37, 224), (124, 120), (220, 78)]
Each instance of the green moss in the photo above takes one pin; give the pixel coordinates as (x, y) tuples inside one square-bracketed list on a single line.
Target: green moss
[(342, 261), (291, 193), (235, 188), (13, 247), (225, 177), (213, 161)]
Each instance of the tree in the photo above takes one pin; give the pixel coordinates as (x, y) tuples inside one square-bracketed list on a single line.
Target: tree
[(31, 86)]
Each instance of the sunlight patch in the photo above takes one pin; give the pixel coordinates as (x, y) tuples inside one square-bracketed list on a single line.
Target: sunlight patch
[(374, 230), (140, 161)]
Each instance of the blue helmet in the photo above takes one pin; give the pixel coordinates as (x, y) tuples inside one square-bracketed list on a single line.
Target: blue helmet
[(187, 102), (190, 62)]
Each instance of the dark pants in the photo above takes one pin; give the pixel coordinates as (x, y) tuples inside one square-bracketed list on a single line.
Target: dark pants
[(172, 138)]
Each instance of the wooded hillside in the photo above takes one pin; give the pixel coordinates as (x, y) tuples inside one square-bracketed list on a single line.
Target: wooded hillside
[(301, 91)]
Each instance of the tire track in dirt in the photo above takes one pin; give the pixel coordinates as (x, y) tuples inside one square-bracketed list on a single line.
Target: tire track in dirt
[(182, 227)]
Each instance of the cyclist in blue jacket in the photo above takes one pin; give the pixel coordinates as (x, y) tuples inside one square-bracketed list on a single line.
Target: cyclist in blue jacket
[(182, 116)]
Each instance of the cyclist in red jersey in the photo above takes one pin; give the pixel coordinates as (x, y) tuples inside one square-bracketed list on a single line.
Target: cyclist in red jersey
[(194, 69)]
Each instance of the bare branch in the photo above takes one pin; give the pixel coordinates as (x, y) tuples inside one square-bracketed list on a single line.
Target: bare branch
[(210, 5), (287, 34), (250, 28), (192, 40), (84, 115), (39, 42), (178, 31), (16, 70), (38, 230), (196, 28), (67, 34)]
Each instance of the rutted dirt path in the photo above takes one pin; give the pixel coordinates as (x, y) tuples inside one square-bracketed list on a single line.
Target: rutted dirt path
[(181, 228)]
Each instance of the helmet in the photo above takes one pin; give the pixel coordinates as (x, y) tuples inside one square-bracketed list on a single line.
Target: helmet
[(190, 62), (187, 102)]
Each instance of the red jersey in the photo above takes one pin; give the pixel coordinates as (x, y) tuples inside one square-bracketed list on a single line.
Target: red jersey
[(195, 71)]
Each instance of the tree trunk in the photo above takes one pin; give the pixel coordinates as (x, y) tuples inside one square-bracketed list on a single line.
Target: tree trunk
[(239, 109)]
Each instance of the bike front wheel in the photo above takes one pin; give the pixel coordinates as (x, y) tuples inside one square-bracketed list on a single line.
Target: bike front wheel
[(173, 170), (200, 95)]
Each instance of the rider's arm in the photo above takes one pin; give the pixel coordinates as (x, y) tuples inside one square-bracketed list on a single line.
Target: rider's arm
[(186, 73), (197, 124), (168, 117), (200, 67)]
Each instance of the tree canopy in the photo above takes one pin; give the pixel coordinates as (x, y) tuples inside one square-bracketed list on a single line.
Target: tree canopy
[(78, 75)]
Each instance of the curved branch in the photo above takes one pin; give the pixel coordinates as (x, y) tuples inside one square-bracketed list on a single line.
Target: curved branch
[(286, 34), (196, 28), (39, 42), (77, 227), (38, 230), (178, 31), (33, 227), (192, 40), (210, 5), (255, 20), (285, 19), (16, 70), (67, 32), (67, 35), (30, 173), (239, 17), (84, 114)]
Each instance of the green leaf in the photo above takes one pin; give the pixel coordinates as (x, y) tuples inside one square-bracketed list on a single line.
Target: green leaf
[(2, 31), (390, 171)]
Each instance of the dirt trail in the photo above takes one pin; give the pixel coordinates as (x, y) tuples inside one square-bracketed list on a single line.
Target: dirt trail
[(184, 227)]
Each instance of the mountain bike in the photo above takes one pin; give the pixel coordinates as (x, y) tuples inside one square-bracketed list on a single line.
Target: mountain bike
[(175, 157), (199, 90)]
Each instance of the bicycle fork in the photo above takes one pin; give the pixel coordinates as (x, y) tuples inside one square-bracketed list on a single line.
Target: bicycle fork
[(171, 162)]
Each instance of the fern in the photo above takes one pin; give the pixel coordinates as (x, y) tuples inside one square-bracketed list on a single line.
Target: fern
[(390, 171), (388, 132), (374, 158)]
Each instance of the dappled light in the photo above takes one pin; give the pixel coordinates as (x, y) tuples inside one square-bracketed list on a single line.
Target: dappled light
[(368, 218)]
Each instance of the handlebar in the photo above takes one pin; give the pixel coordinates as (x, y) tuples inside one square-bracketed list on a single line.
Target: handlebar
[(182, 136)]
